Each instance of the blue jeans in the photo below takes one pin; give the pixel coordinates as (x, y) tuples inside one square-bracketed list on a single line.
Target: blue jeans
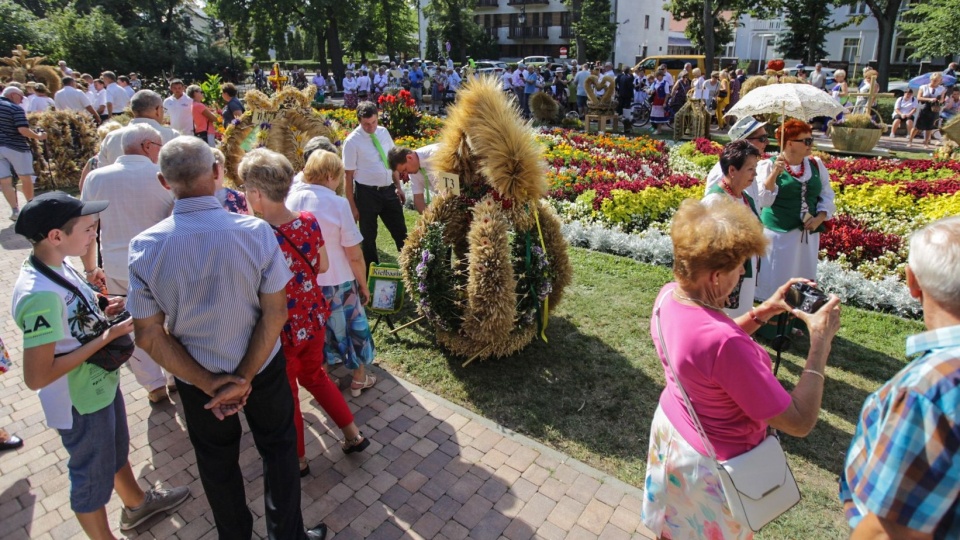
[(525, 104)]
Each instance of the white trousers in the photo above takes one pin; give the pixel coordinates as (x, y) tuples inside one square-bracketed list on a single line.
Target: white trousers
[(147, 372)]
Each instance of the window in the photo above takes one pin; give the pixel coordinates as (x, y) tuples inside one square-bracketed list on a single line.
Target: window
[(851, 50), (902, 51), (646, 22), (860, 8), (663, 23), (548, 19)]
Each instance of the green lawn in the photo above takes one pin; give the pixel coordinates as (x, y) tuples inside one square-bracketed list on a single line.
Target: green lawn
[(591, 391)]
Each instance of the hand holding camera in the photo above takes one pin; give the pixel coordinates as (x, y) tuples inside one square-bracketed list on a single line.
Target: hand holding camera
[(819, 311)]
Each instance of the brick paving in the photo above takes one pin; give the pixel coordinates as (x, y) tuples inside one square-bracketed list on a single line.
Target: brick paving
[(433, 469)]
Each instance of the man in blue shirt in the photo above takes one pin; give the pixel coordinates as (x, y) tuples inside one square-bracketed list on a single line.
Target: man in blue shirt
[(416, 83), (15, 155), (580, 79), (901, 478), (529, 88)]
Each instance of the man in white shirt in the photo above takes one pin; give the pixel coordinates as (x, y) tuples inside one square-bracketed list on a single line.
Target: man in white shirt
[(506, 78), (416, 164), (116, 97), (363, 85), (137, 202), (70, 98), (67, 72), (517, 80), (179, 109), (99, 100), (124, 83), (818, 78), (147, 109), (372, 189)]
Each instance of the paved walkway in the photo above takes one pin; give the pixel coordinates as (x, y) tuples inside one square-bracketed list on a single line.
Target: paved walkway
[(433, 470)]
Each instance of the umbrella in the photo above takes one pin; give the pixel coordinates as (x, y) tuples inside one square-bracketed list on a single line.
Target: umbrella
[(917, 82), (802, 101)]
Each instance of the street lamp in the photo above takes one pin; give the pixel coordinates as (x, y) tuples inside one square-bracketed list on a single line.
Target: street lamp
[(523, 34)]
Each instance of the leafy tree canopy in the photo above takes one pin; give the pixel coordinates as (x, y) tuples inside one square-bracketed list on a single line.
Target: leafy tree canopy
[(934, 28), (807, 21)]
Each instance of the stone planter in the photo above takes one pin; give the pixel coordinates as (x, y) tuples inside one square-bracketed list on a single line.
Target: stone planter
[(850, 139)]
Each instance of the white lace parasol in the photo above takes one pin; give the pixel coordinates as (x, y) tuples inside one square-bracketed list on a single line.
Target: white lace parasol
[(801, 101)]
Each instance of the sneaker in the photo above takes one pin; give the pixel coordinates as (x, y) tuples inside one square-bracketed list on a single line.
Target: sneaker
[(15, 214), (157, 500)]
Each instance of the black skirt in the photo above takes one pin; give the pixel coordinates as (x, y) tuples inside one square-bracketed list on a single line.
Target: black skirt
[(927, 119)]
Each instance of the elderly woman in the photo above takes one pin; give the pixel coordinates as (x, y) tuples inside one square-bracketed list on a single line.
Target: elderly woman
[(350, 87), (204, 121), (930, 97), (726, 375), (738, 163), (795, 194)]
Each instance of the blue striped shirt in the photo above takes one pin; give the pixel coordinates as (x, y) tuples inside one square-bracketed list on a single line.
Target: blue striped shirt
[(204, 268), (12, 118)]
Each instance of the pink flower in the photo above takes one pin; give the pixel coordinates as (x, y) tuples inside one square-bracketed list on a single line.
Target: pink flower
[(711, 530)]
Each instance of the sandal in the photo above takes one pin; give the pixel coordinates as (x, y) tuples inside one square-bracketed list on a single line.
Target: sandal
[(357, 387), (357, 444), (304, 467), (12, 442)]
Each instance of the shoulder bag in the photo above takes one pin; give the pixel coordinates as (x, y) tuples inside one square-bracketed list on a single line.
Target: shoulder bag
[(758, 485), (113, 354)]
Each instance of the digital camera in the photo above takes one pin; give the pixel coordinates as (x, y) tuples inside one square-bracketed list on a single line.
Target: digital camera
[(805, 298)]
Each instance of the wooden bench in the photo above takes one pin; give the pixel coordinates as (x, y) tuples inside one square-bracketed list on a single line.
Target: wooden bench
[(601, 120)]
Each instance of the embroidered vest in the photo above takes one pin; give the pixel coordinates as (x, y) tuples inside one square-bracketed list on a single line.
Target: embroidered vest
[(784, 214)]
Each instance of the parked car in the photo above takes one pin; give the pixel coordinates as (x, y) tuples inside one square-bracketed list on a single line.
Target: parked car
[(809, 69), (537, 61), (674, 63), (493, 67), (897, 88)]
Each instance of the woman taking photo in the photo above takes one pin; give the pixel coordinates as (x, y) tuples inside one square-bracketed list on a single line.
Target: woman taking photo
[(726, 375), (795, 194), (738, 163)]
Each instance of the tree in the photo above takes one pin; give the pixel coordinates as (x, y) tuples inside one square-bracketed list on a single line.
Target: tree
[(595, 29), (26, 32), (807, 21), (708, 28), (933, 14), (886, 12), (452, 20)]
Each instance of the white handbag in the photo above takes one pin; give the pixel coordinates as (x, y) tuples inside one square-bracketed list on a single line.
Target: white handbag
[(758, 484)]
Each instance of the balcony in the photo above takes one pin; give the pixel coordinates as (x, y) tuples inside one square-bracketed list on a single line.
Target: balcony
[(488, 3), (493, 32), (566, 31), (768, 25), (527, 2), (528, 32)]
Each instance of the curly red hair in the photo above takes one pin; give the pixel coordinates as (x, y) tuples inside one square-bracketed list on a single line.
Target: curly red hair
[(793, 128)]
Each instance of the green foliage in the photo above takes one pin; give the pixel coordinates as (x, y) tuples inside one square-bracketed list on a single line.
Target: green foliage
[(933, 27), (90, 42), (452, 20), (722, 27), (211, 90), (808, 29), (26, 32), (595, 29), (858, 120)]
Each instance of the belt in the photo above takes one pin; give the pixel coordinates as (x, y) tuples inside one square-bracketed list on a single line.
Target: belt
[(377, 188)]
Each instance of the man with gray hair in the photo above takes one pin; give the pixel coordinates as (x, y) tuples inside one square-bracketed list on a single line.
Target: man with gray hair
[(218, 333), (147, 107), (117, 99), (71, 98), (137, 202), (818, 78), (15, 155), (901, 477)]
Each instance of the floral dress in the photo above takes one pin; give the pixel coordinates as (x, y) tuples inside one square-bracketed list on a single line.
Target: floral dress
[(233, 201), (300, 241)]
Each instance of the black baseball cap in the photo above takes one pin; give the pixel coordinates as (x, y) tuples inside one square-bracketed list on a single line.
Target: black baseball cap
[(52, 211)]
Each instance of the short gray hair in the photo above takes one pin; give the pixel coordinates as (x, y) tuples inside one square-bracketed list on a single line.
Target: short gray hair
[(185, 159), (934, 259), (145, 100), (133, 136), (193, 89)]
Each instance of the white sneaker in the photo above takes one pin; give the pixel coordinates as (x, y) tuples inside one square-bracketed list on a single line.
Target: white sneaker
[(15, 214)]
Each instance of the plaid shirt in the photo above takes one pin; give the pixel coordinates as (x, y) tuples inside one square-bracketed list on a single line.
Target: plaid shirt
[(903, 462)]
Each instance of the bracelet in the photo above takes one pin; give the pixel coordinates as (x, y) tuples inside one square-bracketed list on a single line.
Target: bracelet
[(815, 372), (753, 315), (88, 272)]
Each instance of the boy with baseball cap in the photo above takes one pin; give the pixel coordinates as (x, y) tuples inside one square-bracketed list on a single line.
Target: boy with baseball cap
[(65, 327)]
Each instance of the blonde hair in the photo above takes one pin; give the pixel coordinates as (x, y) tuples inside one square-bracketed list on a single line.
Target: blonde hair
[(839, 73), (696, 73), (321, 167), (268, 172), (718, 236)]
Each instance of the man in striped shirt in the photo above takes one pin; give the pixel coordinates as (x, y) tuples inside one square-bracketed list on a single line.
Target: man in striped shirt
[(207, 293), (902, 472)]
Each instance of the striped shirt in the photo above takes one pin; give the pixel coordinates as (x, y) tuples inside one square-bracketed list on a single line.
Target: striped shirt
[(903, 463), (204, 268), (12, 118)]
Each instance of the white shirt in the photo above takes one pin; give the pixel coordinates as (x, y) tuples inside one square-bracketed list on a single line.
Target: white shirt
[(506, 80), (360, 155), (117, 96), (380, 81), (363, 83), (129, 90), (669, 78), (905, 107), (111, 148), (70, 98), (180, 112), (716, 174), (700, 89), (825, 202), (100, 105), (417, 180), (349, 85), (337, 225), (40, 104), (137, 202)]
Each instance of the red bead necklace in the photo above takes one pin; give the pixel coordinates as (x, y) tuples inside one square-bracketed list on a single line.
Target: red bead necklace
[(726, 187), (798, 174)]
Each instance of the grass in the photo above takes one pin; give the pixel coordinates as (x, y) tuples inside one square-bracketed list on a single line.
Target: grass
[(592, 389)]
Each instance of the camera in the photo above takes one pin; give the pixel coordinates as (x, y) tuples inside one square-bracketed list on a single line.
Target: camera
[(805, 298)]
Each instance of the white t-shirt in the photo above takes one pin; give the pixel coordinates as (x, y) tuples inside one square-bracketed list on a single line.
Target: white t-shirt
[(117, 96), (111, 148), (41, 104), (362, 156), (137, 202), (363, 83), (417, 180), (69, 98), (904, 106), (350, 85), (337, 225), (180, 112), (129, 90)]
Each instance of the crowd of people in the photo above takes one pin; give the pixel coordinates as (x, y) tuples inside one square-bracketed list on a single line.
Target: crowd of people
[(154, 223)]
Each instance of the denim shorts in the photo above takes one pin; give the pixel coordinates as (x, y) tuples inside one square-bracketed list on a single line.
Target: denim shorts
[(98, 445)]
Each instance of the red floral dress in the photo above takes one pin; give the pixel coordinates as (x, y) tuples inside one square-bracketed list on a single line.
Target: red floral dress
[(300, 241)]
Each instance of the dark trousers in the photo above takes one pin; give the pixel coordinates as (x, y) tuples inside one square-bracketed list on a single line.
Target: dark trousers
[(269, 412), (383, 203)]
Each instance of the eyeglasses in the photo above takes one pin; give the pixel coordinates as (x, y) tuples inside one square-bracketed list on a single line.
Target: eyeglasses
[(761, 138), (808, 141)]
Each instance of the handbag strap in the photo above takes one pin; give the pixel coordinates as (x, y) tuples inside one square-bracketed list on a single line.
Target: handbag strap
[(686, 399), (60, 280), (297, 250)]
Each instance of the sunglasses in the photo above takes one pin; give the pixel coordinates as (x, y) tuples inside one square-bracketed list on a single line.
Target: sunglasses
[(808, 141), (762, 138)]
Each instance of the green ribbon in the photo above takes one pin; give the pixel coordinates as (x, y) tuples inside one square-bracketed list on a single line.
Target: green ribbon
[(426, 183), (383, 155), (541, 320)]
